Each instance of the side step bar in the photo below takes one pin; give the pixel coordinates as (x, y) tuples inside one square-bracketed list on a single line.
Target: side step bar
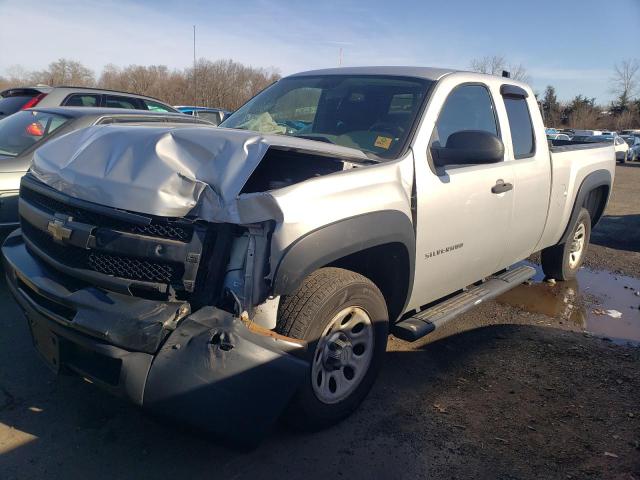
[(426, 321)]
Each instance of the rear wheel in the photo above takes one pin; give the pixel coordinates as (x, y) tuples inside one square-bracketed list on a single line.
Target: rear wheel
[(563, 261), (343, 316)]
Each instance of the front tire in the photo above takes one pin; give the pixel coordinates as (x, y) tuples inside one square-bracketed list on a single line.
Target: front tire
[(343, 316), (563, 261)]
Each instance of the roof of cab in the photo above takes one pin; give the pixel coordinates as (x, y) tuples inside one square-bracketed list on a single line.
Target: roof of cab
[(427, 73)]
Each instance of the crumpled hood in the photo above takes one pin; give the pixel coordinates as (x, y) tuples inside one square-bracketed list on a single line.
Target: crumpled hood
[(168, 171)]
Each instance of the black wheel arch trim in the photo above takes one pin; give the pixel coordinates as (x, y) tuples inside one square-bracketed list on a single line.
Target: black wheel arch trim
[(592, 181), (337, 240)]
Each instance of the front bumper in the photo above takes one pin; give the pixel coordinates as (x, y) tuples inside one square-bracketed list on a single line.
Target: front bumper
[(209, 371)]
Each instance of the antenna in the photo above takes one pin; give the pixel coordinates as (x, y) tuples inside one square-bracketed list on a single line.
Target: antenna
[(340, 58), (195, 82)]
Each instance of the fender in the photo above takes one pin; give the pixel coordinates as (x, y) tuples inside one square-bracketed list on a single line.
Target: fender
[(593, 180), (337, 240)]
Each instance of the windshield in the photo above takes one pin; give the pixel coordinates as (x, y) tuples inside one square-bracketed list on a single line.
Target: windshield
[(24, 129), (374, 114)]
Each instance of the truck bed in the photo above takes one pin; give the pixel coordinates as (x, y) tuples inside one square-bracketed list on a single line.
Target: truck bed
[(569, 145), (571, 162)]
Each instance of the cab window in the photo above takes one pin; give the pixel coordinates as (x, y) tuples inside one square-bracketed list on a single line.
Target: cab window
[(468, 107), (521, 127)]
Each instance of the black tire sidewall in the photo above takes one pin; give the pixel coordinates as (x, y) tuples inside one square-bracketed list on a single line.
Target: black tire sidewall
[(306, 409)]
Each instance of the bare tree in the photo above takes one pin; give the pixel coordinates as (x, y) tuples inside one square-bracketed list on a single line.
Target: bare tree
[(493, 65), (223, 83), (496, 64), (65, 72), (228, 84), (582, 113), (625, 82)]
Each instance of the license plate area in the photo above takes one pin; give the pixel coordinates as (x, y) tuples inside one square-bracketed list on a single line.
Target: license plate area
[(47, 344)]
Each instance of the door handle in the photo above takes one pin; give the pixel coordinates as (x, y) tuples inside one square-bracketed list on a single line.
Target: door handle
[(501, 187)]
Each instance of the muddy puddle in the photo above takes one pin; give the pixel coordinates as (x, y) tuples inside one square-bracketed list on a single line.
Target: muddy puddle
[(598, 302)]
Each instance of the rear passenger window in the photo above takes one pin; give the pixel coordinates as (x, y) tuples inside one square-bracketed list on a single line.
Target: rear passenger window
[(520, 126), (468, 107), (112, 101), (82, 100), (155, 106), (212, 117)]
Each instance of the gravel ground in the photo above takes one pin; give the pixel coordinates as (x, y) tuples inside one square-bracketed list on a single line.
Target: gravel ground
[(500, 395)]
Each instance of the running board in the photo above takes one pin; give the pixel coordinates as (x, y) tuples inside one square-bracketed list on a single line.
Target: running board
[(428, 320)]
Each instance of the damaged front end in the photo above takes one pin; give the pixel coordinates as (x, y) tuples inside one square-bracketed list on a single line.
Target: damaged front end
[(145, 263), (210, 369), (150, 308)]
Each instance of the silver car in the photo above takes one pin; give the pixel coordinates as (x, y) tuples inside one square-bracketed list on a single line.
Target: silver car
[(23, 132), (13, 100)]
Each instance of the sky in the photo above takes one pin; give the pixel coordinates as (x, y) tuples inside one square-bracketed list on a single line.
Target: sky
[(570, 44)]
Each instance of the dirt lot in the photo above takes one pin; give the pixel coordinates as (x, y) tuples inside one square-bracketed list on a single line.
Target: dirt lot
[(516, 390)]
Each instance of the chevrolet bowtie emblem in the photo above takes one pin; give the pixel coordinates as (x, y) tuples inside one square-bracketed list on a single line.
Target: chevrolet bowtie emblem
[(59, 230)]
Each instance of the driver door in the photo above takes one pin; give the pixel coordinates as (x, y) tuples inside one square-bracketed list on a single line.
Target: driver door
[(462, 218)]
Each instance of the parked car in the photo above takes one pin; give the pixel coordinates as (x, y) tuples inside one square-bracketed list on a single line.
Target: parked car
[(23, 132), (15, 99), (223, 276), (212, 115), (631, 132), (558, 136), (620, 146), (586, 132), (633, 141)]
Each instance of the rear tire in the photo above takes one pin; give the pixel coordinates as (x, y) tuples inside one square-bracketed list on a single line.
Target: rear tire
[(563, 261), (343, 316)]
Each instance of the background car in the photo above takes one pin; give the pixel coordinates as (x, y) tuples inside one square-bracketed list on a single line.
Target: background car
[(622, 149), (15, 99), (23, 132), (558, 136), (212, 115), (633, 141), (587, 132), (619, 144)]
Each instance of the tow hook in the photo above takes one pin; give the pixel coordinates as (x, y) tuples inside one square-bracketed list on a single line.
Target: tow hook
[(183, 311), (222, 340)]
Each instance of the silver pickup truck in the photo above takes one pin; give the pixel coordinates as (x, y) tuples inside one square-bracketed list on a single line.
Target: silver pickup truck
[(228, 277)]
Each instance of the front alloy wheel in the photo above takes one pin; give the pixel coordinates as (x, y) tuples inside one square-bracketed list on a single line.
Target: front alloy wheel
[(343, 355)]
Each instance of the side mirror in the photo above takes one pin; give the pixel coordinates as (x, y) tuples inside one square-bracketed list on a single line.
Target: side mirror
[(469, 147)]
